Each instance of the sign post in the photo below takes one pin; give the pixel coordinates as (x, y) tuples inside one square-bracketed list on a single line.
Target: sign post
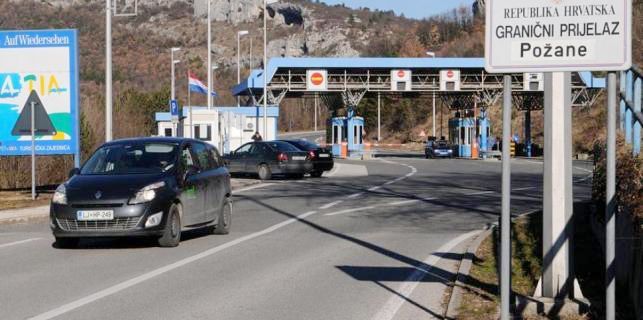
[(33, 119), (558, 37)]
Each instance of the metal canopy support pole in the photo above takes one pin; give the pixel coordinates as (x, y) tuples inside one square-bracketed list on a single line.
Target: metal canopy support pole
[(33, 152), (528, 132), (315, 111), (265, 70), (557, 187), (108, 71), (505, 219), (434, 107), (379, 116), (610, 208)]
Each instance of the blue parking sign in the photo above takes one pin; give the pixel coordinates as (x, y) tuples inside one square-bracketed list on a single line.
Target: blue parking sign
[(174, 110)]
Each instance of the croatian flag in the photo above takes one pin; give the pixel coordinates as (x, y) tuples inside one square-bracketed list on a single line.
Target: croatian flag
[(197, 86)]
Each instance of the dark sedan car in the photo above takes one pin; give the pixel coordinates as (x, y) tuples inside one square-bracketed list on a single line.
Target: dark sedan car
[(268, 158), (322, 158), (438, 149), (144, 187)]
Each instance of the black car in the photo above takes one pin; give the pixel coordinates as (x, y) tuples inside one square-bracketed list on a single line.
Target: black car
[(268, 158), (322, 158), (438, 149), (144, 187)]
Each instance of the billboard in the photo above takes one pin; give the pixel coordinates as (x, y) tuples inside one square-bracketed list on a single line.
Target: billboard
[(39, 64)]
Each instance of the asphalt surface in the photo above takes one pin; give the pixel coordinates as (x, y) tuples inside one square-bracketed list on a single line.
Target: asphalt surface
[(377, 240)]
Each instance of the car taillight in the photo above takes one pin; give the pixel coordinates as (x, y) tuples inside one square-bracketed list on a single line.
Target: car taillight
[(311, 154), (282, 157)]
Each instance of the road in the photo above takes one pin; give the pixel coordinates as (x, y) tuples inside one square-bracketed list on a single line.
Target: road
[(375, 240), (313, 136)]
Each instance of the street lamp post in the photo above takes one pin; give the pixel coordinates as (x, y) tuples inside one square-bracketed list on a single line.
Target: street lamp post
[(172, 89), (108, 71), (265, 66), (209, 54), (239, 35), (174, 62), (432, 54)]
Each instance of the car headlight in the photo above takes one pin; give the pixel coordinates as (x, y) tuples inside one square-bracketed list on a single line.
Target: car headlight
[(450, 151), (60, 196), (147, 194)]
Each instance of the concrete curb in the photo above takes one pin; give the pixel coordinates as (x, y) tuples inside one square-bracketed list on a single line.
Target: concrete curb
[(463, 272), (29, 214)]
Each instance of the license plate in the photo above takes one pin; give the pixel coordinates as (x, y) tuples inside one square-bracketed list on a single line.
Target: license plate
[(324, 155), (95, 215), (298, 158)]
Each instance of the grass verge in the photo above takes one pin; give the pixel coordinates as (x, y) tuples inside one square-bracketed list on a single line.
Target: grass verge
[(481, 298)]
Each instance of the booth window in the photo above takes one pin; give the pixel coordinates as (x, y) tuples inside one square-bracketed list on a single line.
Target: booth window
[(168, 132), (203, 132), (335, 134)]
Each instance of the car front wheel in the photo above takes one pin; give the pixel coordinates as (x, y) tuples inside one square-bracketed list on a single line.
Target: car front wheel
[(172, 232)]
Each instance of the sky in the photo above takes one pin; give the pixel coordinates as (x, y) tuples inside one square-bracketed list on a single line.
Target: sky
[(410, 8)]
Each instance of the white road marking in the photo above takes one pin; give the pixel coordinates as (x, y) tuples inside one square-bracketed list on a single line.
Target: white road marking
[(4, 245), (157, 272), (522, 189), (257, 186), (349, 211), (395, 302), (583, 169), (355, 195), (399, 203), (374, 188), (480, 192), (330, 205)]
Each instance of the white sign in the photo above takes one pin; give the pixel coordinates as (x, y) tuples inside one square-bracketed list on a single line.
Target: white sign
[(317, 80), (450, 80), (558, 35), (401, 80), (533, 82)]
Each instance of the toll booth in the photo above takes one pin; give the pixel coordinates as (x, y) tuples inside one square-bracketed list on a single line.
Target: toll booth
[(347, 131), (465, 131)]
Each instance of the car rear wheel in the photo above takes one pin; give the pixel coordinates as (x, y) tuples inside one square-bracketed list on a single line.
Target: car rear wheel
[(225, 218), (172, 232), (316, 174), (66, 243), (264, 172)]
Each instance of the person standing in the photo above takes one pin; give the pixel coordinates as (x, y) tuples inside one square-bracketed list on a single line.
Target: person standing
[(257, 137)]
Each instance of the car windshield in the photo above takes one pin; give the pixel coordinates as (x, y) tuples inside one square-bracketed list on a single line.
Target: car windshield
[(442, 144), (283, 146), (134, 158)]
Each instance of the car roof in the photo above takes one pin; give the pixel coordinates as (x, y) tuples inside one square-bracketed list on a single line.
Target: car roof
[(175, 140)]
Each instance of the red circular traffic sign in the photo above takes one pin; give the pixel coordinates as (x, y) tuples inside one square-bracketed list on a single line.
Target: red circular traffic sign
[(317, 78), (401, 73), (450, 74)]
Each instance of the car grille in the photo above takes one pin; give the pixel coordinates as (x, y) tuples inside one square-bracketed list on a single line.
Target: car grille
[(117, 224)]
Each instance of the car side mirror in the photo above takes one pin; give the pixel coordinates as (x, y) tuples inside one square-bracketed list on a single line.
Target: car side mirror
[(73, 172)]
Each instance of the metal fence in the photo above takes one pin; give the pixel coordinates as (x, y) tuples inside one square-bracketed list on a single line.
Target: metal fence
[(631, 118)]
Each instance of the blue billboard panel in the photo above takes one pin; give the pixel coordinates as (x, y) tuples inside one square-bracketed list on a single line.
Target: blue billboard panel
[(44, 62)]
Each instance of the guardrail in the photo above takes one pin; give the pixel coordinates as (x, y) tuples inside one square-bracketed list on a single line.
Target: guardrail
[(631, 118)]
